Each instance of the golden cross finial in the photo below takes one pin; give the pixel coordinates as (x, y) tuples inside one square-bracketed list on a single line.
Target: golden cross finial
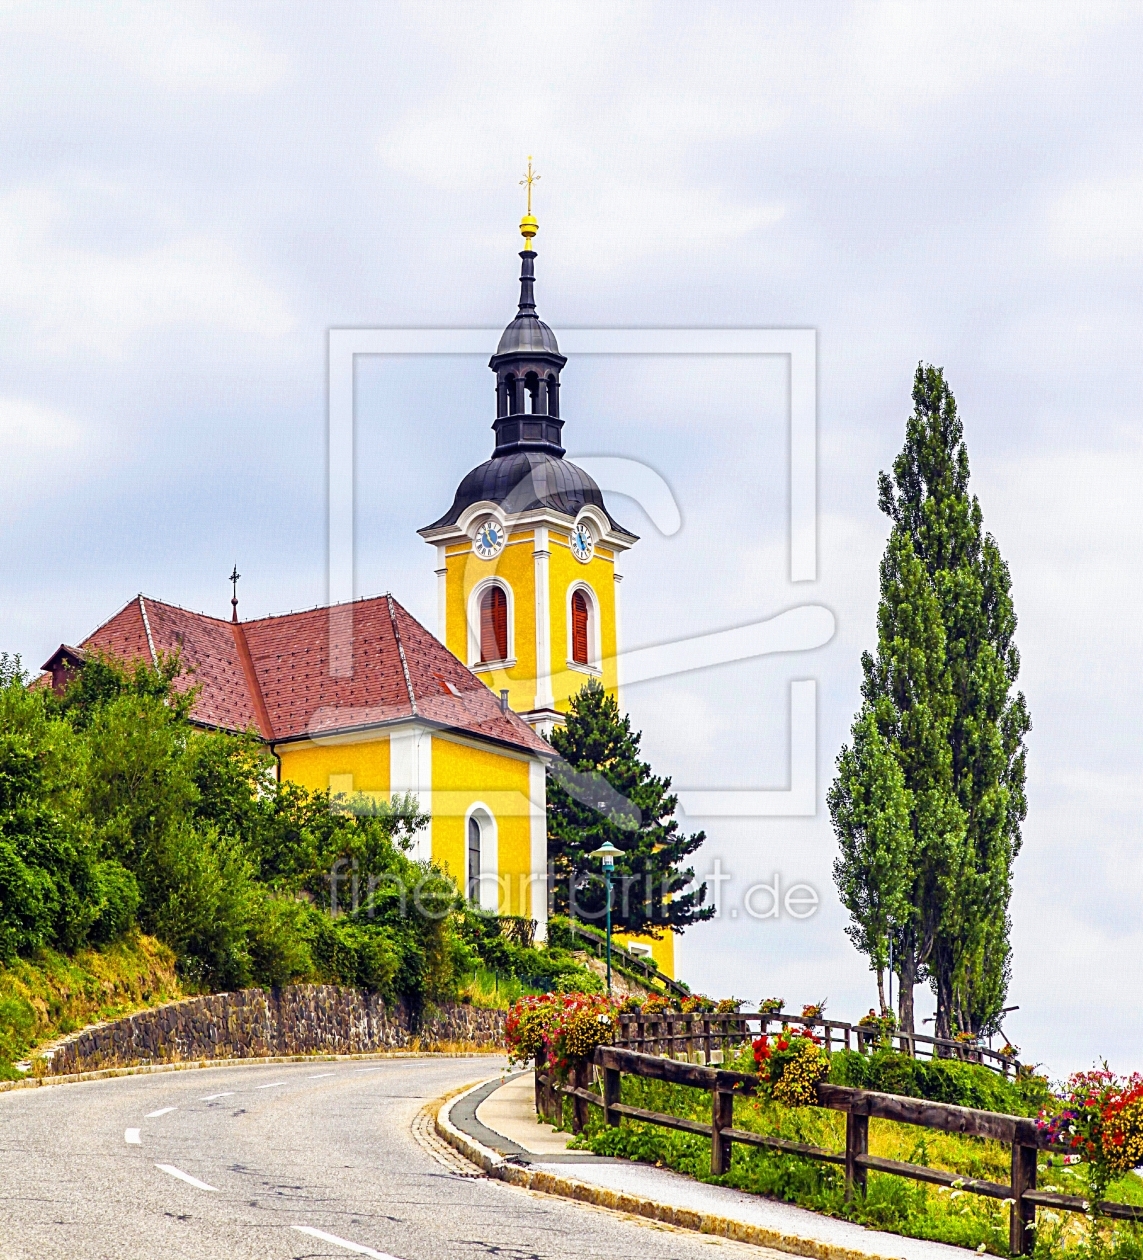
[(528, 181)]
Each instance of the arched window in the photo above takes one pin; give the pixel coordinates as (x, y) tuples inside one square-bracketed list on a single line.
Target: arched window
[(473, 860), (579, 627), (494, 625)]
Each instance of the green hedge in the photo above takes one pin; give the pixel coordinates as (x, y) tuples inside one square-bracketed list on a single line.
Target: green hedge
[(939, 1080)]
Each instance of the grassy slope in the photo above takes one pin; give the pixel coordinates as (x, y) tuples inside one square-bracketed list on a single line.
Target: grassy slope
[(893, 1203), (50, 995)]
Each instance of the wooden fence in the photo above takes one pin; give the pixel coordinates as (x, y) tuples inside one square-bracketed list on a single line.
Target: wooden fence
[(859, 1106), (707, 1034)]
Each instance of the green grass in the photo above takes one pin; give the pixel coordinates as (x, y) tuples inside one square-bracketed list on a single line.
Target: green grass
[(894, 1204), (487, 988), (51, 995)]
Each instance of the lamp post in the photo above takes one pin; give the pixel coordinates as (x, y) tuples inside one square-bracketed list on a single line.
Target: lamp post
[(607, 852)]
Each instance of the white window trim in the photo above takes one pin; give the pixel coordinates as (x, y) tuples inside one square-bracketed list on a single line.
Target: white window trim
[(489, 856), (594, 642), (474, 598)]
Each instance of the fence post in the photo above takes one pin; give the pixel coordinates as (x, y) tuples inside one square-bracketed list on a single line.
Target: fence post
[(722, 1117), (610, 1095), (1023, 1217), (856, 1143), (579, 1077), (541, 1109)]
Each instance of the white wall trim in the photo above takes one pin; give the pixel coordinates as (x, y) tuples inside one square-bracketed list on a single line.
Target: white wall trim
[(489, 891), (538, 883), (411, 771), (442, 593), (594, 640), (474, 598), (542, 556)]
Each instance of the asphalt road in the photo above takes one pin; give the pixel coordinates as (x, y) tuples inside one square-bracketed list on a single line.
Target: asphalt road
[(269, 1161)]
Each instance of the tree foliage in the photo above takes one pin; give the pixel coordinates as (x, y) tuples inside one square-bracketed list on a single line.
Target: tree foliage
[(939, 692), (602, 791), (117, 813)]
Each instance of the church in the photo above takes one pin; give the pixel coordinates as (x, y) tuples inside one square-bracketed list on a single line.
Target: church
[(527, 561)]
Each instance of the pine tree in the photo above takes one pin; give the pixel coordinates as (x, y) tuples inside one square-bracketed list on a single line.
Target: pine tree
[(600, 790), (940, 689)]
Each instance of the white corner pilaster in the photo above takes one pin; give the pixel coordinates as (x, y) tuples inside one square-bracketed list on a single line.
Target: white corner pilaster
[(542, 555), (538, 815), (442, 594), (618, 630), (411, 772)]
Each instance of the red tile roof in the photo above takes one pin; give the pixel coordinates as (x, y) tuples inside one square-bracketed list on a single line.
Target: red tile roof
[(275, 675)]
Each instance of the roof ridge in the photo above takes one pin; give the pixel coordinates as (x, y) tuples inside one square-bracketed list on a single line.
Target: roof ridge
[(252, 683), (147, 627), (401, 652)]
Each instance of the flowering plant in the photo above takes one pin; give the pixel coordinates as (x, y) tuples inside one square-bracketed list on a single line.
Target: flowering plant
[(529, 1022), (1101, 1121), (770, 1006), (814, 1010), (883, 1026), (793, 1063), (657, 1006), (729, 1006), (696, 1002), (562, 1029)]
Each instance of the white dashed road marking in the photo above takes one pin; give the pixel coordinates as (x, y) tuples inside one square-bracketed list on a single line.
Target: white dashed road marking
[(342, 1242), (161, 1112), (271, 1085), (132, 1138), (211, 1097), (320, 1075), (182, 1176)]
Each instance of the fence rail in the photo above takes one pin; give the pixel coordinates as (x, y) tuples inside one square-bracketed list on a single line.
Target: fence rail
[(708, 1033), (859, 1106)]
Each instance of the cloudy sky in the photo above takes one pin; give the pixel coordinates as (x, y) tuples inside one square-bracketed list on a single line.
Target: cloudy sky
[(191, 196)]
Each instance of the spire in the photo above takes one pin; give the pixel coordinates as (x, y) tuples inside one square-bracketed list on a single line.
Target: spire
[(527, 363), (234, 576), (528, 225), (527, 284)]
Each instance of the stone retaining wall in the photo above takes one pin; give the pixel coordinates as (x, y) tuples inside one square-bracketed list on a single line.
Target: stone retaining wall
[(297, 1019)]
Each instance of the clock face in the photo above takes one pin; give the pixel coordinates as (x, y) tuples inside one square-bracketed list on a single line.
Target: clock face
[(582, 544), (489, 540)]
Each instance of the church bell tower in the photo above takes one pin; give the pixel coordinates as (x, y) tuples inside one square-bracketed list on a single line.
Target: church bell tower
[(528, 554)]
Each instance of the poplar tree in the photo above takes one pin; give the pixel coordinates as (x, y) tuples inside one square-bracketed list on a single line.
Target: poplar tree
[(601, 790), (941, 692)]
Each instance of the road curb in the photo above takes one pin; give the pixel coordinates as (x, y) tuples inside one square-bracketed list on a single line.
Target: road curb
[(191, 1065), (495, 1165)]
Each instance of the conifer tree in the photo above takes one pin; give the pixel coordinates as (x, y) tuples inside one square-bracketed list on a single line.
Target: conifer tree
[(600, 790), (940, 690)]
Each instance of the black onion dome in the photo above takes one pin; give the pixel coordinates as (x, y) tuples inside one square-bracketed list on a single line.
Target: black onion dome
[(525, 481), (527, 334)]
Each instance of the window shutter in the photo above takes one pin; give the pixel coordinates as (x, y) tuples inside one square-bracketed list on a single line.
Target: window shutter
[(579, 628), (494, 625)]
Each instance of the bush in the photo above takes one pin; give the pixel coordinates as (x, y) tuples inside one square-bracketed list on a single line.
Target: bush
[(118, 902), (940, 1080)]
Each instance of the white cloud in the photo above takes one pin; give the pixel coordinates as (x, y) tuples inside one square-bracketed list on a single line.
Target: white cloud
[(175, 48), (61, 293), (1099, 221)]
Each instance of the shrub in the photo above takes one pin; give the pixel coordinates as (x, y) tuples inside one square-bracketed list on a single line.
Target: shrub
[(940, 1080), (564, 1028), (1102, 1120), (792, 1063), (118, 902)]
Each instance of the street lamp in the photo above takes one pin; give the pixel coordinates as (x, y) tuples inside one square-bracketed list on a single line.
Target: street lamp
[(608, 853)]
